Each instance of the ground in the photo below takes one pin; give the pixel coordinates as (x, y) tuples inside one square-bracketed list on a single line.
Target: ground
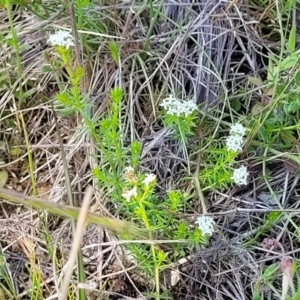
[(114, 144)]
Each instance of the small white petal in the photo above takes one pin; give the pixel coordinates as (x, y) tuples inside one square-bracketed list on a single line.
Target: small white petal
[(175, 277), (234, 143), (176, 107), (131, 193), (240, 175), (149, 179), (129, 169), (237, 129), (206, 224), (129, 175), (61, 38)]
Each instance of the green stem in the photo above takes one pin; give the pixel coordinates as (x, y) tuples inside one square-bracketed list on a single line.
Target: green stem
[(149, 229), (153, 18), (271, 189), (30, 161), (20, 99), (184, 141), (102, 147), (17, 48)]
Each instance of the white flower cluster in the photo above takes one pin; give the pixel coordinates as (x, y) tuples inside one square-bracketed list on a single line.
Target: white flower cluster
[(61, 38), (127, 194), (237, 129), (176, 107), (150, 178), (234, 143), (128, 170), (206, 224), (240, 175), (129, 175), (235, 140)]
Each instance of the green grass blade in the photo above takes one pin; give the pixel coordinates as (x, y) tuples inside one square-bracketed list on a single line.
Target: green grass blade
[(115, 225)]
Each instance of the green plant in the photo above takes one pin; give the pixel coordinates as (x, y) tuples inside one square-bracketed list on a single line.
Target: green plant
[(216, 150), (133, 195), (274, 124), (18, 89), (7, 288), (279, 278)]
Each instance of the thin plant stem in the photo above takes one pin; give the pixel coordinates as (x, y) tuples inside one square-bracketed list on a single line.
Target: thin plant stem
[(183, 138), (148, 227), (153, 18), (20, 99), (156, 269), (198, 186)]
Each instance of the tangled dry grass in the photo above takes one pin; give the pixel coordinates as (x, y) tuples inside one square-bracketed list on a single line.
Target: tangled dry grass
[(199, 49)]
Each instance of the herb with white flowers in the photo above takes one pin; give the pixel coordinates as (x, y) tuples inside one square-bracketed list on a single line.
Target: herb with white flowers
[(240, 175), (235, 140), (61, 38), (176, 107), (206, 224), (179, 115), (219, 160)]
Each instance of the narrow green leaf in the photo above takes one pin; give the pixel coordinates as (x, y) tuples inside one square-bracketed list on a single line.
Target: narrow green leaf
[(292, 40), (77, 75), (15, 151), (256, 81), (236, 104), (289, 62), (257, 109), (116, 95), (297, 295), (271, 70), (3, 177), (297, 78), (269, 272), (256, 296), (29, 93), (114, 51)]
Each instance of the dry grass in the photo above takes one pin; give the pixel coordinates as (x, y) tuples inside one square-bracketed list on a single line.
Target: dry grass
[(204, 51)]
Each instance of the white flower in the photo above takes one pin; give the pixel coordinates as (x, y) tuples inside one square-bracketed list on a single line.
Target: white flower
[(149, 179), (174, 106), (240, 175), (129, 175), (206, 224), (61, 38), (235, 140), (130, 193), (129, 169), (234, 143), (237, 129)]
